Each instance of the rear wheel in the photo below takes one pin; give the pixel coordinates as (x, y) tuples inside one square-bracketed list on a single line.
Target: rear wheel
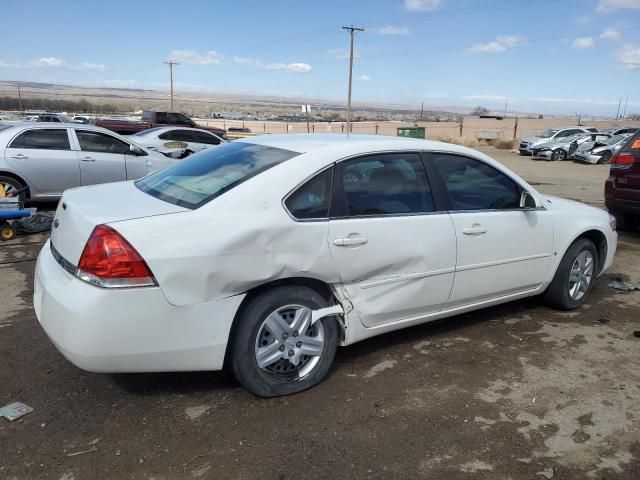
[(574, 278), (10, 186), (276, 350), (605, 157), (626, 221)]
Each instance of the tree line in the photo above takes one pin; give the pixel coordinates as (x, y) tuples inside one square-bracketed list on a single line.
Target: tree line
[(57, 105)]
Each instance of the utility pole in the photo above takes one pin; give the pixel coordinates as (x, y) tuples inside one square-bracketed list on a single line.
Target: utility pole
[(171, 64), (506, 104), (618, 113), (624, 113), (20, 100), (421, 110), (352, 32)]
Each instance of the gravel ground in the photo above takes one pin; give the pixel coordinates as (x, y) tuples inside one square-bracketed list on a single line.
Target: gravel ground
[(517, 391)]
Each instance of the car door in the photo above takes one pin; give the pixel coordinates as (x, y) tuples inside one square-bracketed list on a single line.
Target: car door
[(502, 249), (102, 157), (44, 156), (394, 248)]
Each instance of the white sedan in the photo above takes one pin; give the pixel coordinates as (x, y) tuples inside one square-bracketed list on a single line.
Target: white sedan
[(267, 253), (193, 140)]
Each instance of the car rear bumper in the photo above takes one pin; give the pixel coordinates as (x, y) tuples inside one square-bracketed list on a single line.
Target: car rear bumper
[(128, 330), (623, 206), (582, 158)]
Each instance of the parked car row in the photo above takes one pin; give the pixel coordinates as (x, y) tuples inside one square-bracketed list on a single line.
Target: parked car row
[(622, 188), (581, 144)]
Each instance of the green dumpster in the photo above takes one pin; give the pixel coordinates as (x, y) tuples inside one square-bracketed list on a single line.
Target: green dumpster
[(412, 132)]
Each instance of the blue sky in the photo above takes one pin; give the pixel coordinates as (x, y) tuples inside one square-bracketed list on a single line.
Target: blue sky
[(549, 56)]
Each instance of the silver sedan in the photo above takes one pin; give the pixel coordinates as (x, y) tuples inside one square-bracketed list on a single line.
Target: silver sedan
[(192, 140), (49, 158)]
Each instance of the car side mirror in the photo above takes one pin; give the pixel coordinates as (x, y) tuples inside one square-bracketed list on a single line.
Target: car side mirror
[(134, 150), (527, 201)]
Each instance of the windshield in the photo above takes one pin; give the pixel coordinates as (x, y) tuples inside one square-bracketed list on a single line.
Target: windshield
[(202, 177), (548, 133)]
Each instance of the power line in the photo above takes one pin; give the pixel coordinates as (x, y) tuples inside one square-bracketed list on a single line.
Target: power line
[(352, 33)]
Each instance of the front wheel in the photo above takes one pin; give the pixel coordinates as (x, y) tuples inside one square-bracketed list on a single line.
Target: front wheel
[(276, 349), (574, 278), (559, 155)]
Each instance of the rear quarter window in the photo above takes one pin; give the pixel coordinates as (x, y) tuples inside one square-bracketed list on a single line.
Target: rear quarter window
[(202, 177)]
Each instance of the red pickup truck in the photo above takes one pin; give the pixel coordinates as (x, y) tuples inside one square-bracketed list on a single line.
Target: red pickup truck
[(151, 119)]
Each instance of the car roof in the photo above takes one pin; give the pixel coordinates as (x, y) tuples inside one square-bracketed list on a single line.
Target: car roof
[(345, 144)]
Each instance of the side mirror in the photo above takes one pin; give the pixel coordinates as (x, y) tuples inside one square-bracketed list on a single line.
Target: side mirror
[(134, 150), (527, 201)]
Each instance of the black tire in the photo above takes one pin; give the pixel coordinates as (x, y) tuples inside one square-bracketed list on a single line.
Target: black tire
[(605, 157), (559, 155), (7, 232), (13, 183), (244, 364), (557, 294)]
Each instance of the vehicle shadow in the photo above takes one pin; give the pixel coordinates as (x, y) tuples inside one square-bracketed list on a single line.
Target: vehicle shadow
[(149, 384)]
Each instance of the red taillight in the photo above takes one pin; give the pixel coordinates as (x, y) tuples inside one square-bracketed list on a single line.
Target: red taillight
[(622, 161), (108, 260)]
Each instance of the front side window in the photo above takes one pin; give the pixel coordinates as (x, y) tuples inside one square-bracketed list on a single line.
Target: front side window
[(474, 185), (100, 143), (384, 184), (178, 119), (311, 200), (44, 139), (200, 178)]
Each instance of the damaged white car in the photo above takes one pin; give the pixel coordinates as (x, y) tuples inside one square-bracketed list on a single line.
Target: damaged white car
[(267, 253)]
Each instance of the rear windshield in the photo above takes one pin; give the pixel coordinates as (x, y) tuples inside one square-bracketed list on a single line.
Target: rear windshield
[(202, 177), (142, 133)]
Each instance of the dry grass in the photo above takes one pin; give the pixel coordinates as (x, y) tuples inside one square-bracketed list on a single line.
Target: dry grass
[(465, 141), (505, 144)]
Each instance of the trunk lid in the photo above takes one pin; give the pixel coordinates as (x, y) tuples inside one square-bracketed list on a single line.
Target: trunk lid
[(81, 209)]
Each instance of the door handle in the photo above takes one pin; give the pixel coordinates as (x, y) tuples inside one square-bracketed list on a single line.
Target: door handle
[(475, 230), (19, 156), (350, 241), (88, 159)]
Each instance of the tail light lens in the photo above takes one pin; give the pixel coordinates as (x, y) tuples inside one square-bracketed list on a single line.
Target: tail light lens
[(109, 261), (622, 161)]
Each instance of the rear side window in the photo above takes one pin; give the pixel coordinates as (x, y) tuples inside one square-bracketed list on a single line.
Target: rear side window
[(200, 178), (474, 185), (311, 200), (385, 184), (44, 139), (177, 135), (100, 143), (202, 137)]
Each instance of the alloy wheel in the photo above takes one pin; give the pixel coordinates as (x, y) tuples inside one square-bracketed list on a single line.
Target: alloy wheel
[(288, 346), (9, 189), (581, 275)]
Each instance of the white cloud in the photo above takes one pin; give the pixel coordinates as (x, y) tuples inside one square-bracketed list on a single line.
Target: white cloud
[(194, 57), (47, 62), (629, 56), (53, 62), (295, 67), (583, 19), (422, 5), (609, 5), (364, 77), (583, 42), (501, 44), (610, 34), (500, 98), (4, 64), (391, 30)]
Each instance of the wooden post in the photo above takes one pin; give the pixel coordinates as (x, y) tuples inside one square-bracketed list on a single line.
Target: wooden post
[(264, 127), (461, 122), (515, 128), (342, 127)]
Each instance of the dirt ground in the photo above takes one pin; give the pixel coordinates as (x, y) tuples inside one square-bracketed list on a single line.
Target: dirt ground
[(512, 392)]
